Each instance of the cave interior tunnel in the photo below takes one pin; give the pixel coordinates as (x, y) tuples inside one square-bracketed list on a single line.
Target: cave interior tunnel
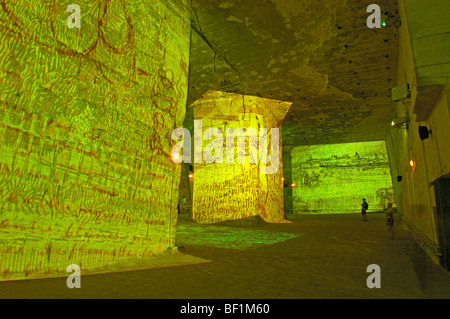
[(144, 135)]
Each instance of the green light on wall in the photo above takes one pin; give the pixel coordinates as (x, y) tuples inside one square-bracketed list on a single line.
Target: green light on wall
[(334, 178), (85, 175)]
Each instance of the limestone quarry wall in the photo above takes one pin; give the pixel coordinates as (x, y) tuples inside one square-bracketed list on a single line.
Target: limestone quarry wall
[(85, 121), (230, 191), (334, 178)]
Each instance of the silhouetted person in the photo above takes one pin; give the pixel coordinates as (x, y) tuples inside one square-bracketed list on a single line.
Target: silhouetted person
[(364, 207), (390, 219)]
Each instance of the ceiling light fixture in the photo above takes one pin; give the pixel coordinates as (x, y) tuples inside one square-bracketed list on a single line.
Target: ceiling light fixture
[(401, 122)]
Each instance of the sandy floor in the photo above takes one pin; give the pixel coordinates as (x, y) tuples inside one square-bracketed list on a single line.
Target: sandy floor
[(313, 257)]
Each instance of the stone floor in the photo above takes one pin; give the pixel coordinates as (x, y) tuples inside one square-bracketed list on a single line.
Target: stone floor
[(316, 256)]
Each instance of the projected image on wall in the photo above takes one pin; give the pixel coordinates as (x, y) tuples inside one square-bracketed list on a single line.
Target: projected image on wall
[(334, 178), (85, 123)]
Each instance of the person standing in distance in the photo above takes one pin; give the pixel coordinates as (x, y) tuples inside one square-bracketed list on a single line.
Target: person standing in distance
[(390, 219), (364, 207)]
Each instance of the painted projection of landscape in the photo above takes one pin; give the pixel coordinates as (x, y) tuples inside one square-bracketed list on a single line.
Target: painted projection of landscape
[(334, 178), (225, 191), (85, 122)]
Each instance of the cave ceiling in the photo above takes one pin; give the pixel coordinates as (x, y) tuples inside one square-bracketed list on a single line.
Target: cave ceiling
[(319, 55)]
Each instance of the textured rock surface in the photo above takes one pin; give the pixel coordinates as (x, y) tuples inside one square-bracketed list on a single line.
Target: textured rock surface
[(320, 55), (239, 184), (85, 122)]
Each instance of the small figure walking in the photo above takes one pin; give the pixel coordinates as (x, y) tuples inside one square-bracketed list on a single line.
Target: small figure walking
[(390, 219), (364, 207)]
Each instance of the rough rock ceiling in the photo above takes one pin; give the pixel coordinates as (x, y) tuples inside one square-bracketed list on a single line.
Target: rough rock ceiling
[(320, 55), (429, 29)]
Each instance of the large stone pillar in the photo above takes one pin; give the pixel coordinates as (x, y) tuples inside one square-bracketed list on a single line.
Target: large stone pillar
[(225, 188), (86, 116)]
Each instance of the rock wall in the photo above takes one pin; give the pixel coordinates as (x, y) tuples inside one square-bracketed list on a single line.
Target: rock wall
[(334, 178), (85, 121), (421, 50), (230, 191)]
